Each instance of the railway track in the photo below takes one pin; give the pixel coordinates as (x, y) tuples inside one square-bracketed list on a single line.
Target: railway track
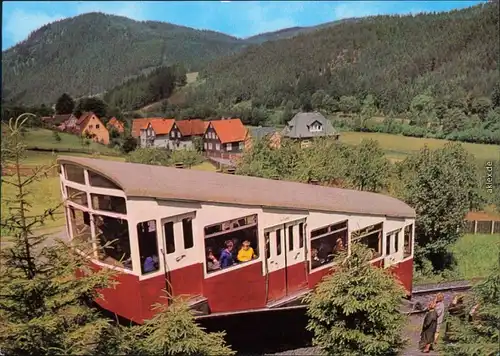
[(423, 294)]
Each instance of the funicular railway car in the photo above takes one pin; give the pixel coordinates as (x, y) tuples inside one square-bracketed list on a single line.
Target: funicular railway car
[(183, 230)]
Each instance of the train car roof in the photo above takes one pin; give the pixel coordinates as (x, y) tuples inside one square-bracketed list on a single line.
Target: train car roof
[(141, 180)]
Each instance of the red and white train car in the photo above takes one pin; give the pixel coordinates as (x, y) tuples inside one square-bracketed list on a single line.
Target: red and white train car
[(166, 219)]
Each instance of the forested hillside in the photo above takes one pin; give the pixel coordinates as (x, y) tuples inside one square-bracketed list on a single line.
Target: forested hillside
[(88, 54), (449, 57)]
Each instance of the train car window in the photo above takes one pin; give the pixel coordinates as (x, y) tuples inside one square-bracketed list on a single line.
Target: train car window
[(109, 203), (396, 242), (80, 226), (327, 243), (290, 238), (371, 237), (74, 173), (268, 245), (408, 236), (187, 232), (148, 246), (113, 239), (169, 237), (301, 235), (77, 196), (97, 180), (278, 242), (388, 244), (231, 242)]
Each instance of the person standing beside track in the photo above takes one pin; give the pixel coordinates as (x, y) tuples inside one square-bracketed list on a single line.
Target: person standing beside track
[(440, 314)]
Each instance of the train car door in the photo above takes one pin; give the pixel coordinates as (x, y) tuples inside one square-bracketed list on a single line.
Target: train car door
[(182, 269), (275, 262), (296, 267)]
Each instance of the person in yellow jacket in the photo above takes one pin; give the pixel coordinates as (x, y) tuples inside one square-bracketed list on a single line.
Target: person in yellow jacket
[(246, 253)]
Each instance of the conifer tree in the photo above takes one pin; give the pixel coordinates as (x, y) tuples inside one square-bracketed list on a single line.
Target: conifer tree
[(481, 335), (173, 331), (354, 311), (44, 307)]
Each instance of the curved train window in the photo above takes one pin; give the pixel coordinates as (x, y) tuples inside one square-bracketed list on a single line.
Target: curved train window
[(371, 237), (327, 242), (231, 242), (408, 235), (74, 173), (97, 180), (80, 228)]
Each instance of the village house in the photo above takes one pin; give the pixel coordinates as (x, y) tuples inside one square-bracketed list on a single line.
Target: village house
[(156, 133), (116, 124), (89, 124), (69, 125), (188, 129), (55, 121), (224, 138), (307, 126), (259, 133)]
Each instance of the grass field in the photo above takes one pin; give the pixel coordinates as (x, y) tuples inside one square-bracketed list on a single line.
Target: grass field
[(397, 147), (475, 255), (43, 138), (34, 158)]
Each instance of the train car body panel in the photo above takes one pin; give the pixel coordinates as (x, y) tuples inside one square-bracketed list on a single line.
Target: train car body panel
[(176, 229)]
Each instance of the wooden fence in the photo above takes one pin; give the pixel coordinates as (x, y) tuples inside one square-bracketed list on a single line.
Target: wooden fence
[(482, 226)]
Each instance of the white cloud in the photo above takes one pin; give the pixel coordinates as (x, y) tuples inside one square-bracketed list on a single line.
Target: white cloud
[(131, 9), (20, 24)]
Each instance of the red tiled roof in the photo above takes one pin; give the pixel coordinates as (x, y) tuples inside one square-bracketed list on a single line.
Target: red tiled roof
[(230, 130), (191, 127), (138, 124), (116, 123), (162, 126), (85, 116)]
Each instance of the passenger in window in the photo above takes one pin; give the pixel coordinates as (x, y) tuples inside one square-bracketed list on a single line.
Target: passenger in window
[(212, 263), (246, 252), (339, 246), (315, 260), (150, 264), (226, 257)]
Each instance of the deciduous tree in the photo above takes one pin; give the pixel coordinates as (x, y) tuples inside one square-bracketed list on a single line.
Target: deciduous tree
[(65, 104)]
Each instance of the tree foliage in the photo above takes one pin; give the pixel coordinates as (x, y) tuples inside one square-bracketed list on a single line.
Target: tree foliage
[(163, 157), (44, 309), (173, 331), (481, 336), (91, 104), (442, 186), (65, 104), (354, 311)]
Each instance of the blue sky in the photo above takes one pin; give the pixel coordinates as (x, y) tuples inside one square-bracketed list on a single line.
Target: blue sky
[(237, 18)]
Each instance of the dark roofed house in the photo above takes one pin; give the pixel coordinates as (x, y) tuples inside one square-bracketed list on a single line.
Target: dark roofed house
[(306, 126)]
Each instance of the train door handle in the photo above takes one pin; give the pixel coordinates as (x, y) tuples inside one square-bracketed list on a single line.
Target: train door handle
[(179, 258), (297, 255)]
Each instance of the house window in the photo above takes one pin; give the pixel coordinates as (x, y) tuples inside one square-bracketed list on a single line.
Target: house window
[(91, 127), (148, 246), (408, 243), (113, 238), (77, 196), (205, 145), (231, 235), (316, 127), (370, 236), (169, 237), (172, 134), (217, 147), (97, 126), (74, 173), (178, 134), (210, 145), (109, 203), (327, 242), (187, 232), (241, 146), (229, 146)]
